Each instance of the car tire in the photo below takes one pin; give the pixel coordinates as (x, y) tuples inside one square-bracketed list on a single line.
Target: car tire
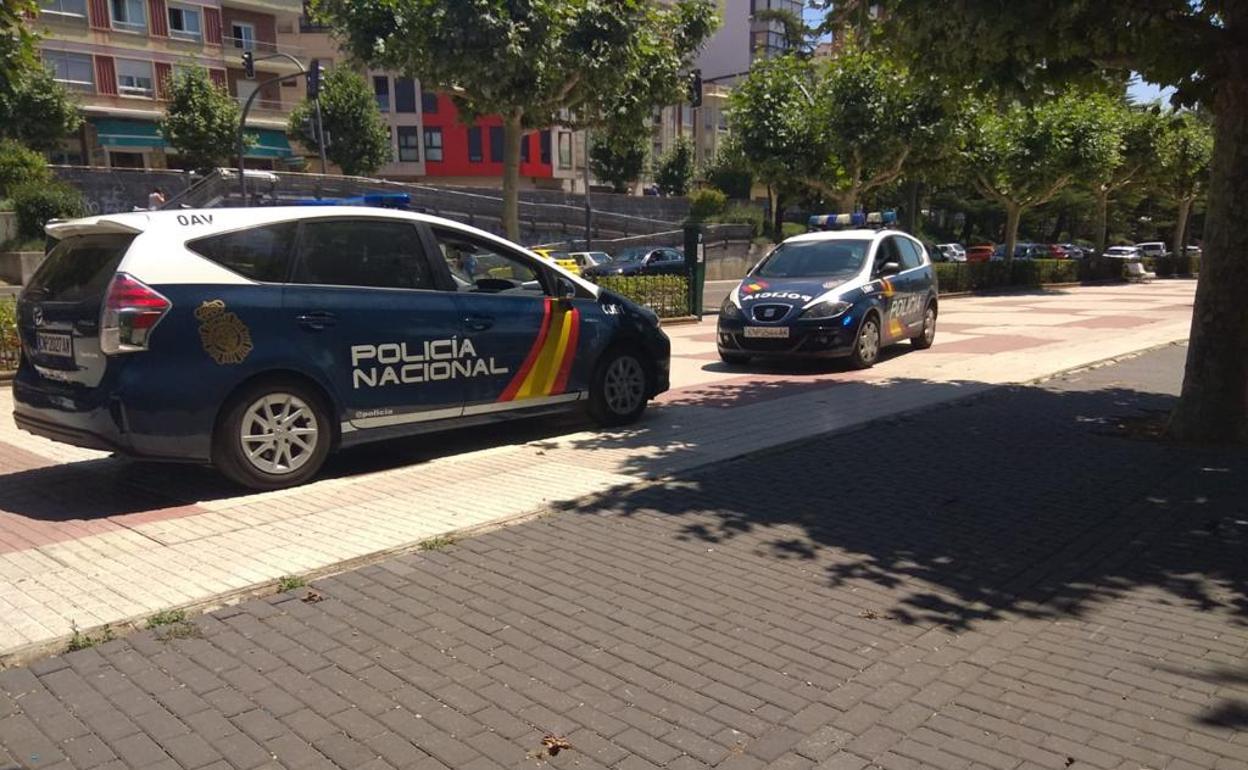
[(928, 335), (287, 427), (619, 391), (866, 344), (734, 359)]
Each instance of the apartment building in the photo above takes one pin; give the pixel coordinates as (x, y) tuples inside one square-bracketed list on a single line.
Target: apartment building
[(428, 142), (118, 56)]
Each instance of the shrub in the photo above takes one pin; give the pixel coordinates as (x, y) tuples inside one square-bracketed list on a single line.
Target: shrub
[(35, 204), (739, 214), (667, 295), (705, 203), (972, 276), (18, 166), (10, 348)]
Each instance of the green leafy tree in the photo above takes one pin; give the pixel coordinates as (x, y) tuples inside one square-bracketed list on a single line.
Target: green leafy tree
[(17, 41), (1129, 163), (1196, 47), (1022, 156), (729, 170), (18, 165), (770, 117), (37, 111), (534, 63), (674, 171), (1184, 149), (359, 139), (617, 154), (201, 121)]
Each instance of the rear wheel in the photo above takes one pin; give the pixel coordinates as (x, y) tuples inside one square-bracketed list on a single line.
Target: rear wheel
[(928, 335), (617, 395), (273, 435), (867, 345)]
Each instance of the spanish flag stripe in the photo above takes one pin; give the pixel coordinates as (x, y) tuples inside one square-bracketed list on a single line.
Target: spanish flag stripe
[(569, 355), (522, 373), (542, 376)]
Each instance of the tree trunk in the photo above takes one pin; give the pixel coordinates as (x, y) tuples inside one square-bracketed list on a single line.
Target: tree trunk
[(911, 219), (513, 133), (1013, 215), (1213, 406), (1180, 228), (777, 217), (1101, 226)]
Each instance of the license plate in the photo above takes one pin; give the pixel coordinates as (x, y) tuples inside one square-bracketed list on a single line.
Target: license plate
[(54, 344), (768, 332)]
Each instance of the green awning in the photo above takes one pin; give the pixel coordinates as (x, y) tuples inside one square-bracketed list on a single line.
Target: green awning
[(112, 132), (269, 144)]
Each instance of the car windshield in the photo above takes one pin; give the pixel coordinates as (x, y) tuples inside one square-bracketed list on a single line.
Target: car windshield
[(631, 255), (813, 259)]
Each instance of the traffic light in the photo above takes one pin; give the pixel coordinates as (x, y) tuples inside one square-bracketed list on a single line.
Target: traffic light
[(249, 64), (308, 124), (695, 88), (314, 79)]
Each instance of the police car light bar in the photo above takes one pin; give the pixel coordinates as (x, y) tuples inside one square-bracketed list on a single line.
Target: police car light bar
[(876, 219), (377, 200)]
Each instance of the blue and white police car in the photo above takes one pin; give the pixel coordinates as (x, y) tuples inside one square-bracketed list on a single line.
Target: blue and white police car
[(846, 293), (261, 339)]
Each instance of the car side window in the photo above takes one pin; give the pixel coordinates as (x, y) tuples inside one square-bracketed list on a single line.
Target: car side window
[(479, 266), (371, 253), (887, 252), (910, 256), (671, 255), (259, 253)]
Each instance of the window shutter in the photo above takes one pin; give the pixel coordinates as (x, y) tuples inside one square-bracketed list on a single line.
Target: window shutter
[(212, 26), (218, 77), (97, 10), (159, 18), (164, 73), (105, 75)]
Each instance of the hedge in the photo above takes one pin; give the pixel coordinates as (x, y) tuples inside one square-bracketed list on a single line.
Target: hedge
[(968, 276), (36, 203), (1171, 265), (667, 295), (10, 347)]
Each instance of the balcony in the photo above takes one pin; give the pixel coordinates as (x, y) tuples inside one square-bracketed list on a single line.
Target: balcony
[(260, 106)]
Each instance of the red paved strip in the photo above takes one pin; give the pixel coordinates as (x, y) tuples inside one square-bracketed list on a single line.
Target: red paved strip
[(14, 459), (995, 343), (1112, 322)]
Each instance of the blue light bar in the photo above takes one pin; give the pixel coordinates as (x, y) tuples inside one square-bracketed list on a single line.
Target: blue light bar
[(856, 219), (377, 200)]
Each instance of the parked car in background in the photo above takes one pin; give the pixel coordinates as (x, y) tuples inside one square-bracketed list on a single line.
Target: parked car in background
[(1075, 251), (1022, 251), (585, 259), (948, 252), (1057, 251), (1123, 252), (980, 253), (1152, 249), (641, 260), (1193, 251)]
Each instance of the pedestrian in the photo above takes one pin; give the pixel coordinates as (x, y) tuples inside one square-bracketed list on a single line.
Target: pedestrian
[(156, 198)]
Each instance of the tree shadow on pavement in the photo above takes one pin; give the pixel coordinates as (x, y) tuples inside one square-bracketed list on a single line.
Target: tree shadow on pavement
[(1026, 503)]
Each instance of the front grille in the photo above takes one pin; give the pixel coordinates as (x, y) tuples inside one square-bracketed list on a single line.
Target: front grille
[(770, 312)]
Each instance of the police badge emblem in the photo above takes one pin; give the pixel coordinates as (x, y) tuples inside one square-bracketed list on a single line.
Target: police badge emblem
[(224, 335)]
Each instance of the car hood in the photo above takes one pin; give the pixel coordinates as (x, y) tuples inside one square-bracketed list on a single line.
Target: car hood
[(795, 292)]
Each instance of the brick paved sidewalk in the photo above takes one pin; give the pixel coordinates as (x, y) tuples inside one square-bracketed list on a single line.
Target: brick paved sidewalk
[(1006, 583)]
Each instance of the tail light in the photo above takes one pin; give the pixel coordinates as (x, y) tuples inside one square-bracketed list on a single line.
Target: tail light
[(131, 311)]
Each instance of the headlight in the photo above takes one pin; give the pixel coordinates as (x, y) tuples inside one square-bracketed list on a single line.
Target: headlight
[(829, 309), (729, 310)]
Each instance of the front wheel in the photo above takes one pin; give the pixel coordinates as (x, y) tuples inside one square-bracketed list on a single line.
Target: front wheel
[(617, 395), (867, 346), (928, 335), (272, 435)]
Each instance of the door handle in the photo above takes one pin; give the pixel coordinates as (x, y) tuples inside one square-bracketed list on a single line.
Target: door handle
[(316, 320), (478, 323)]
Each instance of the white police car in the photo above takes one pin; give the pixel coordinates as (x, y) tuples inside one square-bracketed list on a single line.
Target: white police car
[(261, 339), (832, 294)]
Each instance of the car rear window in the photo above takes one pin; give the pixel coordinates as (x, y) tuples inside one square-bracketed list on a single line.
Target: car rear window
[(79, 267), (259, 253)]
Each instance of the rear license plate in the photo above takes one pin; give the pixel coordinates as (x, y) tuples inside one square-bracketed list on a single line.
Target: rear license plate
[(54, 344), (769, 332)]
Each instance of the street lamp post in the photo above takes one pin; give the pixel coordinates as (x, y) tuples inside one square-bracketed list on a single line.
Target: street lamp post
[(249, 60)]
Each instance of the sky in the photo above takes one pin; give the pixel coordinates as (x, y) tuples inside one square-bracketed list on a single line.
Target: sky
[(1143, 92)]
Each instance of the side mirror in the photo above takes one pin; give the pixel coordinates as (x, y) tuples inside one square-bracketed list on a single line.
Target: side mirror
[(565, 289), (890, 268)]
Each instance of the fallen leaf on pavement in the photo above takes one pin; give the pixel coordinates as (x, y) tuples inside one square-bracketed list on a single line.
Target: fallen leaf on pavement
[(312, 597)]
